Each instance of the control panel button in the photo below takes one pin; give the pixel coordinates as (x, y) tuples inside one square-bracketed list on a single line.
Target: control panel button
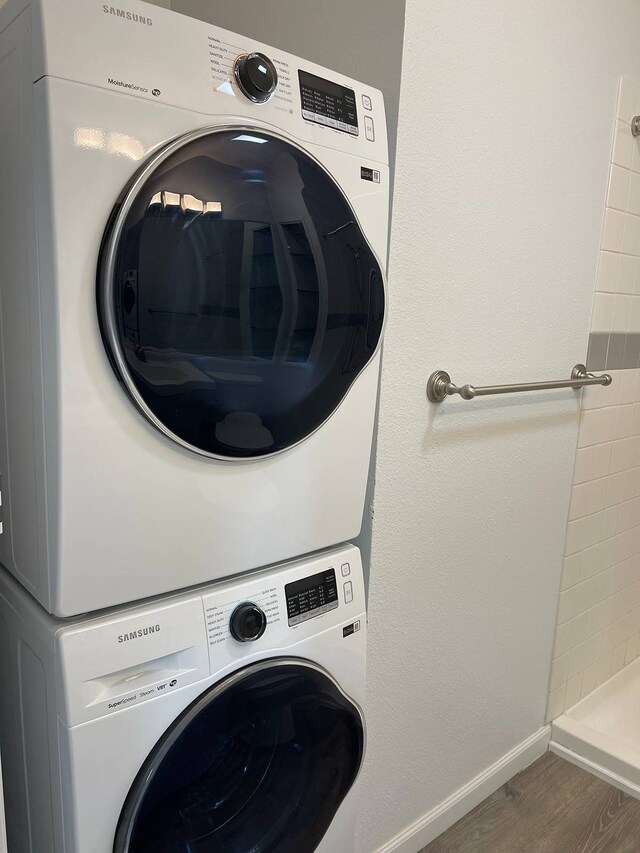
[(366, 102), (256, 76), (346, 570), (248, 623), (369, 131), (348, 592)]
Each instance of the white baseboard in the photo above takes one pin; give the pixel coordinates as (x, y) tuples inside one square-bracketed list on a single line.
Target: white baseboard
[(596, 769), (444, 815)]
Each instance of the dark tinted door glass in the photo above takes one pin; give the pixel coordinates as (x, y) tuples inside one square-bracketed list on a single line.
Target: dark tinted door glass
[(245, 297), (259, 763)]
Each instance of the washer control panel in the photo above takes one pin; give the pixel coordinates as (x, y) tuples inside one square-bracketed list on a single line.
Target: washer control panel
[(133, 655), (311, 596)]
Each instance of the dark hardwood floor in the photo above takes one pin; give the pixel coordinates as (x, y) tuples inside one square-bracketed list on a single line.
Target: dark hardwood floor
[(551, 807)]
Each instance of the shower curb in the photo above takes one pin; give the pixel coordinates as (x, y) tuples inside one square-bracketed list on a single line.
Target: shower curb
[(595, 769)]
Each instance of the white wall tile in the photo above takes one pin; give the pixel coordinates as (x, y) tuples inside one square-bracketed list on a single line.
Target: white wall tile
[(579, 505), (634, 451), (621, 311), (619, 194), (613, 230), (604, 587), (577, 535), (635, 153), (616, 183), (632, 649), (573, 692), (615, 483), (601, 459), (631, 234), (556, 703), (612, 395), (583, 627), (604, 668), (626, 272), (590, 420), (584, 465), (619, 454), (559, 671), (624, 516), (570, 573), (634, 314), (618, 658), (607, 423), (589, 679), (596, 495), (592, 396), (591, 562), (608, 270), (564, 639), (623, 145), (569, 603), (623, 418), (628, 484), (603, 305), (609, 522), (627, 386), (628, 96)]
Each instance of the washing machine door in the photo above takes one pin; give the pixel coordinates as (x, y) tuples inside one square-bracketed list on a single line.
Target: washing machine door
[(260, 762), (238, 296)]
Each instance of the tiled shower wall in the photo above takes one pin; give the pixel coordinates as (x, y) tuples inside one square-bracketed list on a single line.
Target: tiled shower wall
[(598, 619)]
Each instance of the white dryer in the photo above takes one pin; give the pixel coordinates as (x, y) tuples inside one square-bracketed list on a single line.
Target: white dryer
[(192, 252), (227, 719)]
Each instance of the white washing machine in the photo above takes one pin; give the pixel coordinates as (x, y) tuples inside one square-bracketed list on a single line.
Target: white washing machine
[(227, 719), (192, 252)]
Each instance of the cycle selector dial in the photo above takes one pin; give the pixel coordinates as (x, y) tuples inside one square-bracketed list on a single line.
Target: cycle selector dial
[(256, 76), (248, 623)]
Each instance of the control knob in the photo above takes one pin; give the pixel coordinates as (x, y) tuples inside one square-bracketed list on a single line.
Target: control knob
[(256, 76), (248, 623)]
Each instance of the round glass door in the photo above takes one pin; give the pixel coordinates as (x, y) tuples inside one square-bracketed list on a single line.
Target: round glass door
[(260, 762), (238, 297)]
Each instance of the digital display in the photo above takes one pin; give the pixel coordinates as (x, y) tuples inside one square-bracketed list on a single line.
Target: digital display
[(311, 596), (327, 103)]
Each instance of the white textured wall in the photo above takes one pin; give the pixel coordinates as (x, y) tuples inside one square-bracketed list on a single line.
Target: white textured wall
[(504, 136)]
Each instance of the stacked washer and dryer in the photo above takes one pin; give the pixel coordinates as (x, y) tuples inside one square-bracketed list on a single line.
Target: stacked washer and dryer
[(193, 236)]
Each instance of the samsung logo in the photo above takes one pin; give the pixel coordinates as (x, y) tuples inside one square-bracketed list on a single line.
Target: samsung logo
[(141, 632), (127, 16)]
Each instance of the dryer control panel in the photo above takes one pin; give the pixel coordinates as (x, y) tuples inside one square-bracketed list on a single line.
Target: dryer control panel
[(327, 103), (168, 58), (311, 596)]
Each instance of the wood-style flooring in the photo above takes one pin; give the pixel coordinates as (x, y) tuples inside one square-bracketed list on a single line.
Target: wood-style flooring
[(551, 807)]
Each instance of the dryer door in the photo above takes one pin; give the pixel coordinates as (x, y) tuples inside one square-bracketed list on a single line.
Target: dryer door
[(238, 296), (261, 761)]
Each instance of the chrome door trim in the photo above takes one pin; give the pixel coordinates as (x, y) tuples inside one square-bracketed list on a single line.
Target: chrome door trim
[(106, 269)]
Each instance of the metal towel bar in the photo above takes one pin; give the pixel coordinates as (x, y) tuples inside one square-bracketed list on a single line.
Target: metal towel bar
[(440, 386)]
